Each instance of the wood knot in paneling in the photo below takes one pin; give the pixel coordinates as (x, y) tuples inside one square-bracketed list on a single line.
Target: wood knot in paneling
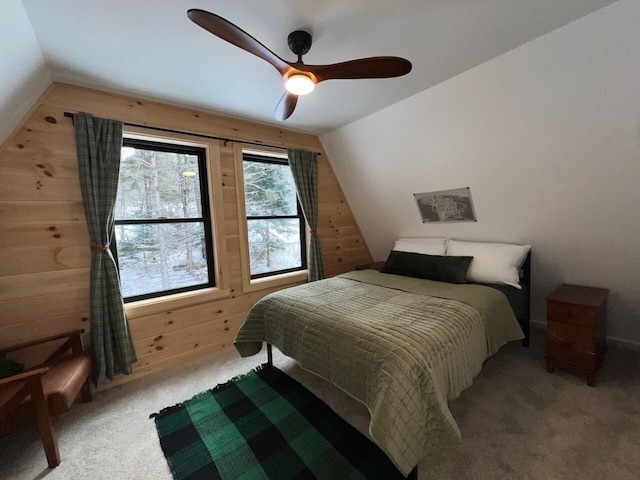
[(51, 119)]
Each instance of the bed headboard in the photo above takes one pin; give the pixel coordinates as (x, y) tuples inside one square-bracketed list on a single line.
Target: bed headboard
[(525, 272), (525, 281)]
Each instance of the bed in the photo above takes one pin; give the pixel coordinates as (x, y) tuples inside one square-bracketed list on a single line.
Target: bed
[(402, 346)]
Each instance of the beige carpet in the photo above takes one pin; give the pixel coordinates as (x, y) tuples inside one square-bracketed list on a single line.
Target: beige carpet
[(517, 421)]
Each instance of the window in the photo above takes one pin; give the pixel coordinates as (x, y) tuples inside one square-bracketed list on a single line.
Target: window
[(275, 224), (162, 242)]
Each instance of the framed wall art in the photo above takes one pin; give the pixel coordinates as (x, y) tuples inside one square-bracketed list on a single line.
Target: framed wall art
[(453, 205)]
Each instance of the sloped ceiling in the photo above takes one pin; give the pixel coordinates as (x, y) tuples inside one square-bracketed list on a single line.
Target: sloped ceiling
[(547, 137), (23, 72), (149, 48)]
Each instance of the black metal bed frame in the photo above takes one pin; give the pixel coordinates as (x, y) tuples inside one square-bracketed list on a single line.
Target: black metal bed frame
[(525, 281)]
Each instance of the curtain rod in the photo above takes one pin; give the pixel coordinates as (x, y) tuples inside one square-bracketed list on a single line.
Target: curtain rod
[(180, 132)]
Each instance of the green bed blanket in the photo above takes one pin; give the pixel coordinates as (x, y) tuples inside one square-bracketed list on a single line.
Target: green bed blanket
[(402, 346)]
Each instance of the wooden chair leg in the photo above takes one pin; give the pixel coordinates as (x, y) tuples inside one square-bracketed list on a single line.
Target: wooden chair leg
[(86, 392), (47, 434)]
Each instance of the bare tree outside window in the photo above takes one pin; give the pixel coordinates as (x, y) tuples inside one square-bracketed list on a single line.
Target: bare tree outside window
[(162, 235), (275, 224)]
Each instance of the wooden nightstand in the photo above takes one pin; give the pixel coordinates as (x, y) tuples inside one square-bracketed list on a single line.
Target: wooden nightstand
[(576, 329), (374, 266)]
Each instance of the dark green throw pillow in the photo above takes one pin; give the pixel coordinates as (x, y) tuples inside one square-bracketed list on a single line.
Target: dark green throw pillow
[(9, 367), (431, 267)]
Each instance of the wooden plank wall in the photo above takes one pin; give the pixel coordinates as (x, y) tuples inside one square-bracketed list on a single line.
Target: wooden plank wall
[(44, 244)]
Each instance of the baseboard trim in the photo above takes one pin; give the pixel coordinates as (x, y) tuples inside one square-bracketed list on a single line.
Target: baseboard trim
[(623, 343), (615, 341), (538, 324)]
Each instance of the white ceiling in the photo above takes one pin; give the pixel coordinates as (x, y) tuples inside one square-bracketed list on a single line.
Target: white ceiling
[(151, 49)]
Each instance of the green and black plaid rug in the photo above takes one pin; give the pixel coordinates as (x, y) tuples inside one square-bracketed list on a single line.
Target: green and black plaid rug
[(265, 425)]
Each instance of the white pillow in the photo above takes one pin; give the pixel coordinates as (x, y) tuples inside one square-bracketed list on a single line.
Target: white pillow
[(424, 245), (492, 262)]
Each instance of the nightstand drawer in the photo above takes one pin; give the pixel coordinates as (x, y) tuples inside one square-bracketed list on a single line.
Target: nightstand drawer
[(573, 314), (572, 344), (577, 328)]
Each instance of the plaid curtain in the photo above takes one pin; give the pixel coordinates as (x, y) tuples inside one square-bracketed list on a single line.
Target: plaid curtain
[(304, 166), (99, 142)]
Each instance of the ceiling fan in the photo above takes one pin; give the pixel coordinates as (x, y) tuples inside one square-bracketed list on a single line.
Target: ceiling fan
[(300, 79)]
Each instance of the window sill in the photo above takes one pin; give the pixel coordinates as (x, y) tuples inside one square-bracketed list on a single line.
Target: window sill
[(171, 302), (276, 281)]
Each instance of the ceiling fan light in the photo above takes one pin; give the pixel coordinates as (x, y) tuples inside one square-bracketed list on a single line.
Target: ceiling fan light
[(299, 84)]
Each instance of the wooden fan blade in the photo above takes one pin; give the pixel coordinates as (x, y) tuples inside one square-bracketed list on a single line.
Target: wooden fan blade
[(286, 106), (373, 67), (226, 30)]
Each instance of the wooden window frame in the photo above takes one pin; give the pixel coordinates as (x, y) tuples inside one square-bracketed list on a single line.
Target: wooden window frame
[(219, 272), (269, 280)]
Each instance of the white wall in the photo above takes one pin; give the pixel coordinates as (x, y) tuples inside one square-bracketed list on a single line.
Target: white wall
[(548, 138), (23, 72)]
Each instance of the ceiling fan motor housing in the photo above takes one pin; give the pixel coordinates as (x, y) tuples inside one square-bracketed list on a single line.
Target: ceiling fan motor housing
[(299, 42)]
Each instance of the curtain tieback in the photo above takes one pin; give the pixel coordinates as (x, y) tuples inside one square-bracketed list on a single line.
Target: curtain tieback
[(312, 232), (99, 248)]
